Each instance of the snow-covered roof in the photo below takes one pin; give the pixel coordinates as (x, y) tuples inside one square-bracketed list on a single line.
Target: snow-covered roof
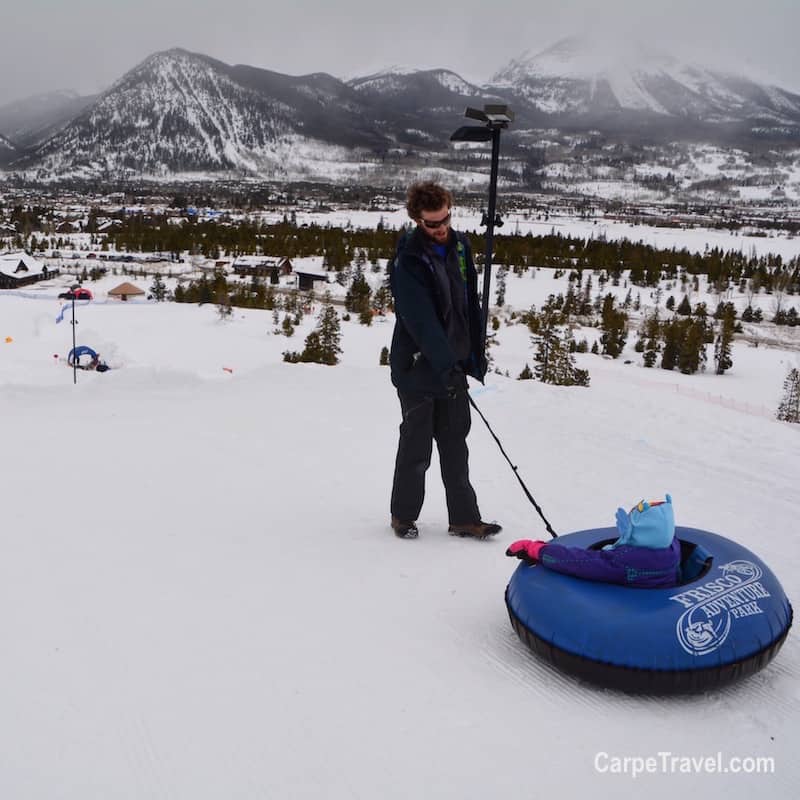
[(310, 265), (20, 265), (257, 261), (125, 289), (72, 224)]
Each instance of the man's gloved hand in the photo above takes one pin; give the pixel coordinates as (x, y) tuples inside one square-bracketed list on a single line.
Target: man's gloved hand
[(526, 550), (455, 382)]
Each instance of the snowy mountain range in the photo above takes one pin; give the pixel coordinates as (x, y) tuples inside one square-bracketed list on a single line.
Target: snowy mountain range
[(181, 113), (578, 76)]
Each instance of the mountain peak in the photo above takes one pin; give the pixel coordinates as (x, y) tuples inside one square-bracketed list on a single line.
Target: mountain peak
[(171, 57), (398, 80), (174, 52), (586, 58)]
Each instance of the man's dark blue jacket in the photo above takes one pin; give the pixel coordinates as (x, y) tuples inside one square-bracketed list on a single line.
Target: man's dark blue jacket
[(422, 359)]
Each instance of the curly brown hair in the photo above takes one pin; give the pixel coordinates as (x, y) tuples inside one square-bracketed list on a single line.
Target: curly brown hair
[(426, 196)]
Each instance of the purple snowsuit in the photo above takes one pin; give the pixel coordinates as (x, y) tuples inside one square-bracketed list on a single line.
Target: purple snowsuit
[(629, 565)]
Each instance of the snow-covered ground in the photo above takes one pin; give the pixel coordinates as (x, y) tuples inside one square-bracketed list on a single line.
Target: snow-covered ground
[(201, 596)]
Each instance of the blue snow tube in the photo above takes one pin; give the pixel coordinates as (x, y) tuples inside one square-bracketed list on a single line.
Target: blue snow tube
[(76, 353), (727, 619)]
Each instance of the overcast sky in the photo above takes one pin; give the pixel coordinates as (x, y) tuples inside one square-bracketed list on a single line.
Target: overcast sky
[(87, 44)]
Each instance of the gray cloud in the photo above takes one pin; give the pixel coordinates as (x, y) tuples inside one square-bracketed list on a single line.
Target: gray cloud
[(87, 44)]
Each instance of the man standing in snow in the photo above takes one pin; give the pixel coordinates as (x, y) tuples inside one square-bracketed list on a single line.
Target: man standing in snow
[(437, 342)]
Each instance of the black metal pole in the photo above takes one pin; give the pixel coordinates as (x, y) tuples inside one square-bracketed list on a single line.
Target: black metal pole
[(487, 264), (74, 346)]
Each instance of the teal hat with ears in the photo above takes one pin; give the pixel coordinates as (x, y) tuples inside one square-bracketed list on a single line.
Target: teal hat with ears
[(647, 525)]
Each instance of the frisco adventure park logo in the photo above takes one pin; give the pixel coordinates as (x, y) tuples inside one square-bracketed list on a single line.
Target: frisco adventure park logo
[(712, 608)]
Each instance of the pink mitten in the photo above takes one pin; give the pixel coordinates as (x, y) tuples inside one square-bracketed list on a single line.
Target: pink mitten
[(526, 550)]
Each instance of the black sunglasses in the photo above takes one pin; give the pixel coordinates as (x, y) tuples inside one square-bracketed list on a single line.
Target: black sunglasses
[(432, 224)]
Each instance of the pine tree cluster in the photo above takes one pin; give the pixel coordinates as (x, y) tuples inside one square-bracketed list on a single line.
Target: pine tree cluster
[(682, 341), (256, 294), (322, 345), (554, 360)]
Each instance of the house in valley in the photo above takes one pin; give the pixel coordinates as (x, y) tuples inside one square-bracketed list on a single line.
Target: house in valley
[(19, 269)]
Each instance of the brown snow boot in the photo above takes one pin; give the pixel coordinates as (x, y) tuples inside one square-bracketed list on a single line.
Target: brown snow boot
[(405, 530), (476, 530)]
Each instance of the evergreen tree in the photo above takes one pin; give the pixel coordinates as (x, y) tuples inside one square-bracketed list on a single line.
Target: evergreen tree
[(546, 342), (322, 344), (381, 300), (614, 325), (585, 306), (221, 295), (724, 310), (692, 355), (159, 289), (685, 308), (500, 299), (674, 332), (555, 364), (384, 359), (312, 352), (637, 274), (360, 260), (651, 330), (526, 374), (722, 346), (628, 301), (789, 408), (330, 334), (358, 296)]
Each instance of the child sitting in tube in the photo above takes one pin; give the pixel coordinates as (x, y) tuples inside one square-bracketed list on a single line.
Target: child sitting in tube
[(646, 554)]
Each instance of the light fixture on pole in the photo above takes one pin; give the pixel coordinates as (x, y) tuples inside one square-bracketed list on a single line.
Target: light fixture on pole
[(494, 118)]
